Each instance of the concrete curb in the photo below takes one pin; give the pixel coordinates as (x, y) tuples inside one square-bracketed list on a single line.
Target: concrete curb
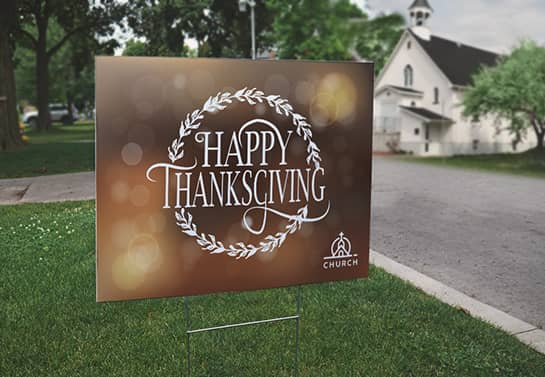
[(525, 332)]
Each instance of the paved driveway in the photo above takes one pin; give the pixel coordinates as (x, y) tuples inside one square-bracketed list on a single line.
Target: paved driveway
[(481, 233)]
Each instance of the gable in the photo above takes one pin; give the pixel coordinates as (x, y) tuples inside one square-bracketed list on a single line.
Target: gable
[(426, 72)]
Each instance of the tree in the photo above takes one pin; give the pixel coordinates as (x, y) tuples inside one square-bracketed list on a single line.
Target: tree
[(226, 31), (315, 29), (10, 137), (377, 38), (25, 75), (514, 89), (71, 69), (135, 48), (218, 26), (77, 59), (75, 17), (163, 24)]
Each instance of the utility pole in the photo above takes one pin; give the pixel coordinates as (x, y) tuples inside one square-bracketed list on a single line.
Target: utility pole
[(242, 6)]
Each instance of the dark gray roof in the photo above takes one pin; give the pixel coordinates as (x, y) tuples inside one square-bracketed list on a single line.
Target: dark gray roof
[(457, 61), (420, 3), (425, 113)]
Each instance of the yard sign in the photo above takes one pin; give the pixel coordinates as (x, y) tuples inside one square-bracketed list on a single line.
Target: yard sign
[(218, 175)]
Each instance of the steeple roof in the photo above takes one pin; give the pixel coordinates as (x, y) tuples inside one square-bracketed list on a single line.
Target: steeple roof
[(421, 3)]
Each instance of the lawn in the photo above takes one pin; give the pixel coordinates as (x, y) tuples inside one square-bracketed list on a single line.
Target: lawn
[(50, 324), (531, 163), (81, 131), (63, 149)]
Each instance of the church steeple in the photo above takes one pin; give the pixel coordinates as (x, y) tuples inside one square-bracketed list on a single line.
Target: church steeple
[(420, 12)]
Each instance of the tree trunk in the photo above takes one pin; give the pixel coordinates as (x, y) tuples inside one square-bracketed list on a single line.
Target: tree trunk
[(540, 137), (10, 136), (42, 77), (70, 104)]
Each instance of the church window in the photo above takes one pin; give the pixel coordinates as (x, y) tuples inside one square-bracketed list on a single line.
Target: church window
[(409, 45), (436, 96), (419, 18), (408, 75)]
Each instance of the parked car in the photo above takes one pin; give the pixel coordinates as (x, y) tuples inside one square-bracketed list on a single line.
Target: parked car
[(58, 112)]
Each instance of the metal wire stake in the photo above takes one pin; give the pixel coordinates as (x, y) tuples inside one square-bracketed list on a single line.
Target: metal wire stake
[(187, 335), (296, 362), (189, 331)]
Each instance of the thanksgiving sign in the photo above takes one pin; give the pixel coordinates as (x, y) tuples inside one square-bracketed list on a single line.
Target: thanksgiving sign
[(222, 175)]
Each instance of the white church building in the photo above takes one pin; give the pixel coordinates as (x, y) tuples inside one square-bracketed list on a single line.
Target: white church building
[(419, 94)]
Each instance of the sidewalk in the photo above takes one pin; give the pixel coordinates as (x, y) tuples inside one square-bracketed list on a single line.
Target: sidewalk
[(50, 188), (81, 186)]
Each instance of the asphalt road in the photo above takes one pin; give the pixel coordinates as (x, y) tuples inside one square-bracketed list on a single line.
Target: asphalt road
[(480, 233)]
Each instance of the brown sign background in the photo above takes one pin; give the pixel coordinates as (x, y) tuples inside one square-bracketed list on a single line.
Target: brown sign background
[(141, 102)]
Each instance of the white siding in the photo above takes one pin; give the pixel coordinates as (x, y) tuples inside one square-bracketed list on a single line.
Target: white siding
[(462, 137), (426, 76), (489, 133)]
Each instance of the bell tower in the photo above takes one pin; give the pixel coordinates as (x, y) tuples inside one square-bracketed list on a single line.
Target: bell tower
[(420, 12)]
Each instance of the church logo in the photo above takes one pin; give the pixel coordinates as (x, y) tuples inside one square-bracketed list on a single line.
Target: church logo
[(341, 254)]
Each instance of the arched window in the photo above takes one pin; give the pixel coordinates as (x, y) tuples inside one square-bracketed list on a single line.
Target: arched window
[(436, 95), (408, 74)]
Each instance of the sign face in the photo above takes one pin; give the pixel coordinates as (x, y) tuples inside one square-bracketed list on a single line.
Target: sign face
[(217, 175)]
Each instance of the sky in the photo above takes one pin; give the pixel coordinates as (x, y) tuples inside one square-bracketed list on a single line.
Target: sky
[(495, 25)]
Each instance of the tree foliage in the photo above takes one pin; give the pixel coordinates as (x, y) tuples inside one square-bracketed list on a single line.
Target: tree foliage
[(135, 47), (71, 69), (314, 29), (163, 24), (219, 28), (229, 30), (75, 18), (514, 89), (333, 30), (377, 38)]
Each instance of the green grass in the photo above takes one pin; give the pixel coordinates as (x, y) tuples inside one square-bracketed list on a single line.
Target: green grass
[(60, 133), (50, 324), (63, 149), (531, 163)]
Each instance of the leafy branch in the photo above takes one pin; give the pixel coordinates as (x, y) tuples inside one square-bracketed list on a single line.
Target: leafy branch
[(239, 250), (251, 96)]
